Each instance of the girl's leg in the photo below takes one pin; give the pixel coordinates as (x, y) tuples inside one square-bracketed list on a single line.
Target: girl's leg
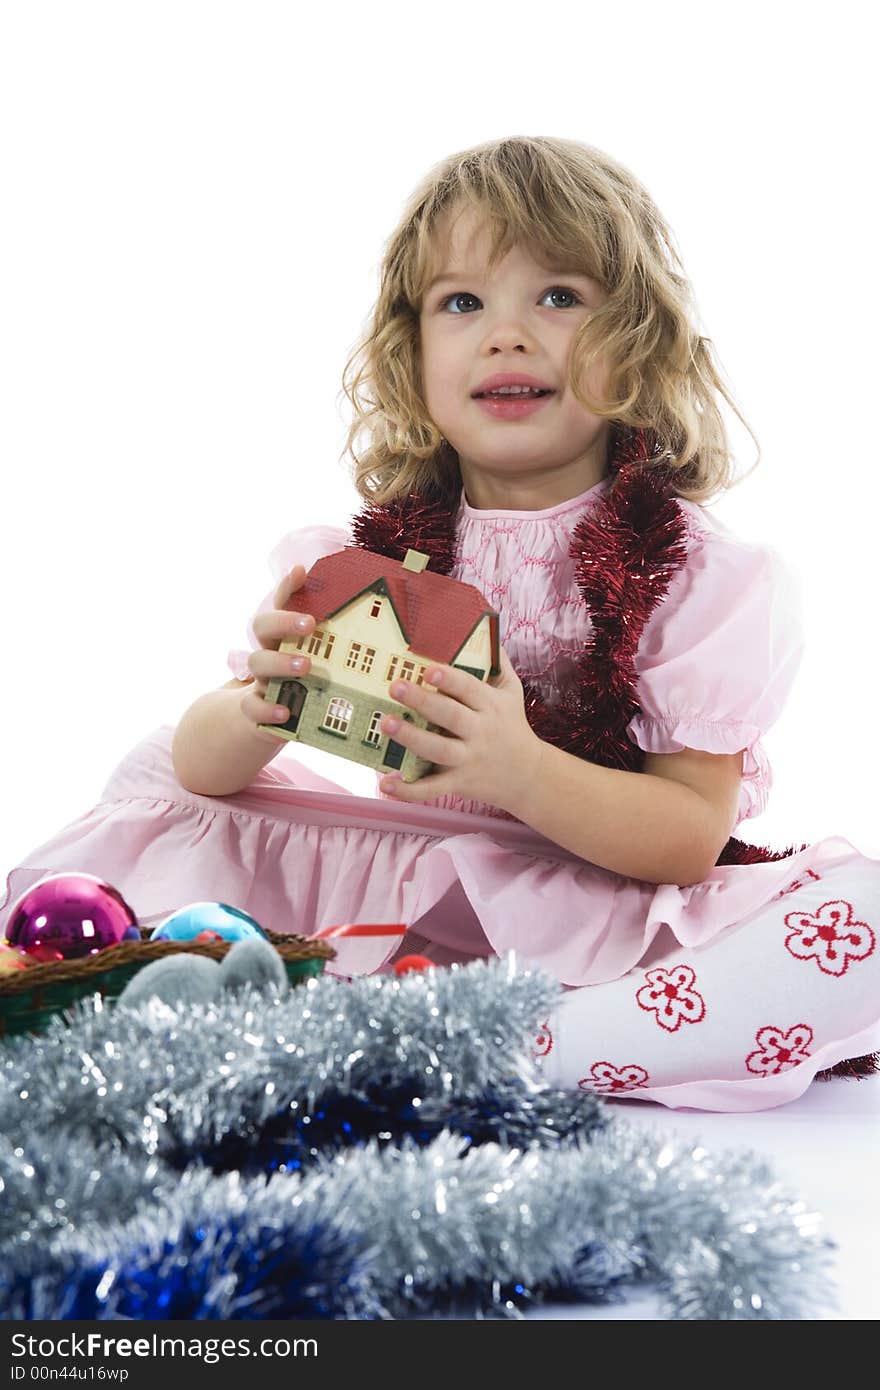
[(742, 1022)]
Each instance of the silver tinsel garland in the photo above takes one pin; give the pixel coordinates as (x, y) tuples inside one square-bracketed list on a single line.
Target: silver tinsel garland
[(90, 1111), (159, 1076)]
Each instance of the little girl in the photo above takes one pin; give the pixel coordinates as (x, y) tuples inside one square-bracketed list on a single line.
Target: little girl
[(541, 420)]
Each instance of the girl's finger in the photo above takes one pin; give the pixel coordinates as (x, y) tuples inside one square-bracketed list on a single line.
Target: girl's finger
[(268, 664), (507, 667), (461, 685), (292, 581), (255, 708), (425, 789), (435, 748), (275, 626), (437, 708)]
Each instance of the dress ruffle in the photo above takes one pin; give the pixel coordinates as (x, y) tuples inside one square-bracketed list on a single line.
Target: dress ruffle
[(712, 736), (300, 853)]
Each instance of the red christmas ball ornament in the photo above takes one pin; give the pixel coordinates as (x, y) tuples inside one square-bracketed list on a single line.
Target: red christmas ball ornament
[(407, 963), (72, 914)]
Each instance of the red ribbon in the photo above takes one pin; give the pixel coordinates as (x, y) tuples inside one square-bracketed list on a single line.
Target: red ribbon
[(362, 929)]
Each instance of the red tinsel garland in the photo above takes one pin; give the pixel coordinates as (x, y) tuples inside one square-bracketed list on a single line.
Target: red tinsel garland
[(627, 546)]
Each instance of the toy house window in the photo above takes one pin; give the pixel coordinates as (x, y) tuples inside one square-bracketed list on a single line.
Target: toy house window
[(317, 638), (338, 716), (360, 658), (399, 669), (373, 734), (376, 607)]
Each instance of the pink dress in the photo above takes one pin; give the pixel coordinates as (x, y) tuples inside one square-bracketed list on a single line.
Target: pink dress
[(300, 852)]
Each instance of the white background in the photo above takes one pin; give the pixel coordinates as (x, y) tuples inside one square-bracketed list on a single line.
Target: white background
[(195, 201), (195, 198)]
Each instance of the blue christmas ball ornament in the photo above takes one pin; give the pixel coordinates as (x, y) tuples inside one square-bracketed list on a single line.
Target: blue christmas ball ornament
[(186, 923)]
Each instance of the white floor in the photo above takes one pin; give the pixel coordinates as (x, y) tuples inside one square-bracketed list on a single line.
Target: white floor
[(825, 1147)]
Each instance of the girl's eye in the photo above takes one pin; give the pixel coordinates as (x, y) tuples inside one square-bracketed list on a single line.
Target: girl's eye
[(563, 289), (556, 289), (451, 297)]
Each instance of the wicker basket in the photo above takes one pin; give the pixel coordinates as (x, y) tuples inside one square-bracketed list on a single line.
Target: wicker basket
[(30, 998)]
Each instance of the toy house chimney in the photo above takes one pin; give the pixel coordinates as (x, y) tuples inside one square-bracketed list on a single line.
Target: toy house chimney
[(415, 560)]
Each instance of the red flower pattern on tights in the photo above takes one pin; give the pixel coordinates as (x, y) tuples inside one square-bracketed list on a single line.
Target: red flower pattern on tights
[(832, 936), (544, 1041), (671, 995), (605, 1077), (778, 1051)]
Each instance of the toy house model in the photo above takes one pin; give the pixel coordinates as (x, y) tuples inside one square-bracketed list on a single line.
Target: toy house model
[(376, 621)]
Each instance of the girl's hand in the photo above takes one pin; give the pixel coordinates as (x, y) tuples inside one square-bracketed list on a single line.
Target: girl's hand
[(271, 628), (488, 752)]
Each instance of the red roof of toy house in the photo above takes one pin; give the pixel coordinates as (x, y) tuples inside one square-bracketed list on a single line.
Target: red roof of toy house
[(436, 613)]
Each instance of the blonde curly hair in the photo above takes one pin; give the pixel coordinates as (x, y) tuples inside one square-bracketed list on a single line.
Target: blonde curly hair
[(574, 205)]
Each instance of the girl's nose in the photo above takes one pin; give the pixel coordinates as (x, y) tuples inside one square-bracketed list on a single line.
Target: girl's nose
[(509, 337)]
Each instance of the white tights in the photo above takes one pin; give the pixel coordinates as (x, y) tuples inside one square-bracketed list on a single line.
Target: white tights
[(743, 1022)]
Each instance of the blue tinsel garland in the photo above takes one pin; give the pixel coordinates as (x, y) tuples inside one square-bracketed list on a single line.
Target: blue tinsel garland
[(380, 1149)]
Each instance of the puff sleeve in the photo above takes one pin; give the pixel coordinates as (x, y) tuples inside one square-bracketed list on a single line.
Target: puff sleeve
[(718, 658), (301, 547)]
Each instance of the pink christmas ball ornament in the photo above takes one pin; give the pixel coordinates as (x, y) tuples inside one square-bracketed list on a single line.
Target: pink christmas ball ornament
[(73, 914)]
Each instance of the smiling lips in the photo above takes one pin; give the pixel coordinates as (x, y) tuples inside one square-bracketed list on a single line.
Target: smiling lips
[(512, 407), (512, 395), (507, 380)]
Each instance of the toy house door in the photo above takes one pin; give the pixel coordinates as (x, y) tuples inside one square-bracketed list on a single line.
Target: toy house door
[(395, 751), (293, 695)]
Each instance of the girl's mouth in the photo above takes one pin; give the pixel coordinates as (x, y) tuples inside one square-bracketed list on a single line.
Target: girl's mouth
[(512, 407)]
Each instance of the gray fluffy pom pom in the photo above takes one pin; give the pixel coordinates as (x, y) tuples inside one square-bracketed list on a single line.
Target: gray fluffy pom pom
[(254, 960), (178, 978)]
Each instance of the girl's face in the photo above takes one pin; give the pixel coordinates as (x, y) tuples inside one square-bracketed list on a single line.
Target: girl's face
[(523, 320)]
